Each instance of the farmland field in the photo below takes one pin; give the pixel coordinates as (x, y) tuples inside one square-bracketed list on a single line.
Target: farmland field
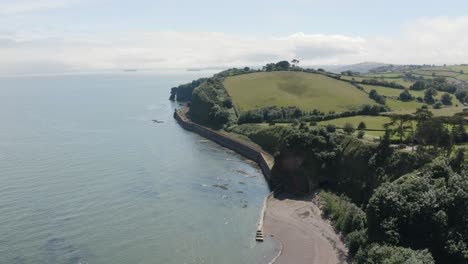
[(397, 105), (305, 90), (448, 111), (383, 90), (372, 122)]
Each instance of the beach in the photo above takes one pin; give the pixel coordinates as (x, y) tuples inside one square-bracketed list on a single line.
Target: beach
[(306, 237)]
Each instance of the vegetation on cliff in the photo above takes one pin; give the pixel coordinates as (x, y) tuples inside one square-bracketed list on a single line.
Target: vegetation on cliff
[(391, 202)]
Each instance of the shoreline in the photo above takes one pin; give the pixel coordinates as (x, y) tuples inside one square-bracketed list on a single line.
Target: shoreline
[(295, 222), (305, 237)]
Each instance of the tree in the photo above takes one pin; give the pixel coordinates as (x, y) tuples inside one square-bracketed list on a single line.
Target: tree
[(362, 126), (437, 105), (349, 128), (446, 99), (393, 255), (377, 97), (462, 95), (269, 67), (459, 132), (429, 95), (295, 62), (402, 122), (331, 128), (227, 103), (418, 86), (282, 66), (406, 96)]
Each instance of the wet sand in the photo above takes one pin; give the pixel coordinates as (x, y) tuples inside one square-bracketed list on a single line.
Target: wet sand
[(305, 236)]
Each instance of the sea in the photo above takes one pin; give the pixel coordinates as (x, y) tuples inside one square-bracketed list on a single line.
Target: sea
[(87, 177)]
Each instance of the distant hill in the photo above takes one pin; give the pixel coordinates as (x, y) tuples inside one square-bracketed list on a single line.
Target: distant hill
[(363, 67)]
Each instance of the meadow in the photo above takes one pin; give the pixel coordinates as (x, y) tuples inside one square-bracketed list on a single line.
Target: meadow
[(372, 122), (307, 91)]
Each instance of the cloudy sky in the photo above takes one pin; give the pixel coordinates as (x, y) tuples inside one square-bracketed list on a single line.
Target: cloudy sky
[(44, 36)]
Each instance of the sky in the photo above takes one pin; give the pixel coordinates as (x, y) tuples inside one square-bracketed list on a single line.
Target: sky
[(58, 36)]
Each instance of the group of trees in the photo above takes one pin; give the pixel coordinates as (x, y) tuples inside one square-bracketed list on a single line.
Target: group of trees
[(289, 114), (380, 99), (271, 114), (462, 95), (211, 104), (283, 66), (439, 83), (279, 66), (405, 96), (183, 93), (424, 210), (384, 213), (378, 82), (431, 134)]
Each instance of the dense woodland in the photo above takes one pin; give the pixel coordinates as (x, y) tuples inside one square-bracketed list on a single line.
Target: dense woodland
[(392, 206)]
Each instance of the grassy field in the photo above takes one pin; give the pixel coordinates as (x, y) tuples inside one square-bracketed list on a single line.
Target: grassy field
[(449, 111), (383, 90), (304, 90), (397, 105), (451, 72), (400, 81), (372, 122)]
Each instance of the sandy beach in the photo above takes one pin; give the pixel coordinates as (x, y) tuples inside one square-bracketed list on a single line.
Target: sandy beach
[(305, 236)]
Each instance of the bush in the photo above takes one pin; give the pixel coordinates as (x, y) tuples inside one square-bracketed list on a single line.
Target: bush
[(227, 103), (331, 128), (406, 96), (356, 240), (360, 134), (346, 216), (446, 99), (349, 128), (362, 126), (377, 97), (393, 255)]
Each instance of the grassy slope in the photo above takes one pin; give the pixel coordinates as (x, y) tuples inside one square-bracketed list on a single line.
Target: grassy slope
[(383, 90), (448, 111), (372, 122), (304, 90)]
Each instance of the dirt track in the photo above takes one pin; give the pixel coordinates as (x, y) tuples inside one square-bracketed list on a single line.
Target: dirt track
[(306, 237)]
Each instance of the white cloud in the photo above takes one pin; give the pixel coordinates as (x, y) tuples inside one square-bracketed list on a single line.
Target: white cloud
[(440, 40), (10, 7)]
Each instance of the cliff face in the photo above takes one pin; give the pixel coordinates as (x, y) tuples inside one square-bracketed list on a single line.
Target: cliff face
[(209, 105), (299, 171)]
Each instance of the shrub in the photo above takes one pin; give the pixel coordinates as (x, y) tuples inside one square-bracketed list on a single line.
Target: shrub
[(360, 134), (362, 126), (227, 103), (331, 128), (346, 216), (393, 255), (349, 128)]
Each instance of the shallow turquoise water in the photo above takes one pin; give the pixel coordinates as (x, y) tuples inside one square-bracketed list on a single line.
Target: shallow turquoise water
[(86, 177)]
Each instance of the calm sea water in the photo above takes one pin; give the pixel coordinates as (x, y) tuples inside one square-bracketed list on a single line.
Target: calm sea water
[(86, 177)]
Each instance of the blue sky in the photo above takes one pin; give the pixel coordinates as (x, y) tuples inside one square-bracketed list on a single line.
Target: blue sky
[(66, 35)]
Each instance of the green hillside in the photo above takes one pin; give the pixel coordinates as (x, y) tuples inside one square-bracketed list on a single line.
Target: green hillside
[(307, 91), (372, 122)]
